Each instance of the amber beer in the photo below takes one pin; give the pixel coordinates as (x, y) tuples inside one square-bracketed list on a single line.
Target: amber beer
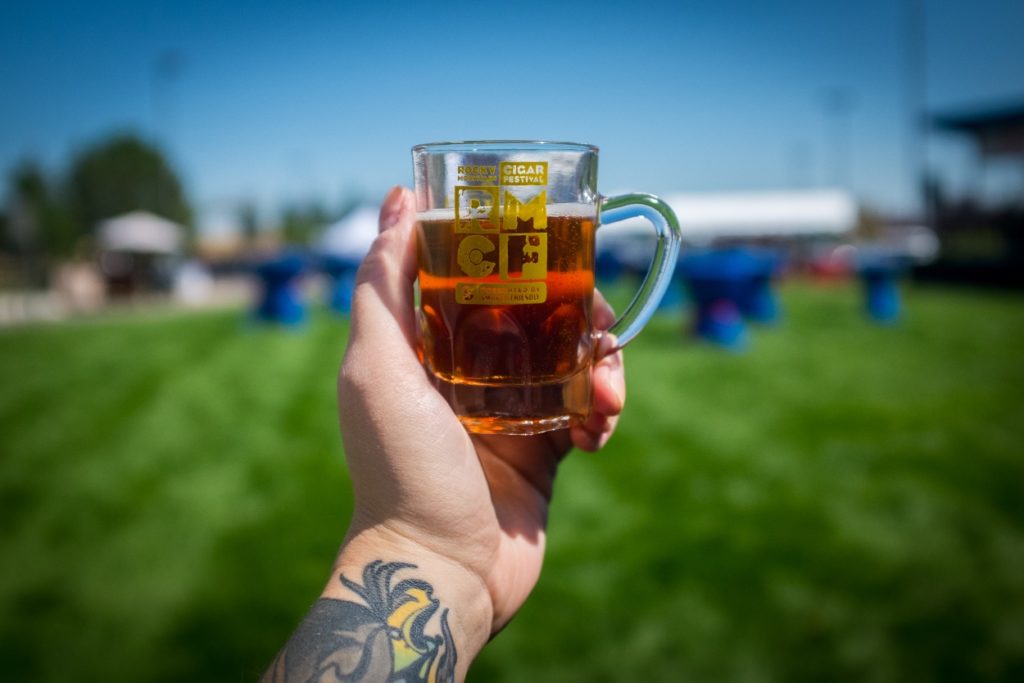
[(505, 327), (506, 278)]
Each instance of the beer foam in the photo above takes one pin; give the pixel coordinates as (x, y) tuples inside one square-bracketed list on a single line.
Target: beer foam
[(566, 210)]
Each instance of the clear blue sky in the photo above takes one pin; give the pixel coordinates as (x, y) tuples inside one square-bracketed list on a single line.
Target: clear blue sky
[(290, 100)]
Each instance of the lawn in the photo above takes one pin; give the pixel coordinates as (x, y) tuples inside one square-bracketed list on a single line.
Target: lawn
[(841, 502)]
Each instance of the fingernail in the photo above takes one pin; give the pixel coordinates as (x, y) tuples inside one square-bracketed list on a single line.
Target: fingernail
[(391, 209), (606, 343)]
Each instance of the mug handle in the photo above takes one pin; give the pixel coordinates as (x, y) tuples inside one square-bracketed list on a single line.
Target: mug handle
[(659, 275)]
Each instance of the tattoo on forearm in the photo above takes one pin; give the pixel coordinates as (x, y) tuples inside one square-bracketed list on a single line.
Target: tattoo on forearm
[(382, 639)]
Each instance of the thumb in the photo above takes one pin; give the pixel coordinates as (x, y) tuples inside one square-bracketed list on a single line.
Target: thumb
[(382, 306), (380, 360)]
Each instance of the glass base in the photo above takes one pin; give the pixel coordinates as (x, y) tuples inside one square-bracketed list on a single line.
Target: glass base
[(503, 408), (517, 427)]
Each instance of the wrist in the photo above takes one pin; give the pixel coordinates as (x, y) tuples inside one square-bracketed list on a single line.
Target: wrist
[(432, 600)]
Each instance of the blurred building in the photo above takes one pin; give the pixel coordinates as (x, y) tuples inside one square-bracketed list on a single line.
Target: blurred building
[(982, 230)]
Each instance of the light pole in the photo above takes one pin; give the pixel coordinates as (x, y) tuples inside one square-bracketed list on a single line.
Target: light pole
[(838, 108), (915, 92), (166, 68), (165, 71)]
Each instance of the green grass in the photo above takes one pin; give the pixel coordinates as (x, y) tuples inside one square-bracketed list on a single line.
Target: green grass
[(842, 502)]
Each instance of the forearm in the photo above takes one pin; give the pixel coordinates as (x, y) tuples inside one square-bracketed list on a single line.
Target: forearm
[(390, 606)]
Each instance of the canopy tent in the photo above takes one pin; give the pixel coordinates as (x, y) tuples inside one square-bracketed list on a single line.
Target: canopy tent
[(704, 217), (140, 232), (351, 237)]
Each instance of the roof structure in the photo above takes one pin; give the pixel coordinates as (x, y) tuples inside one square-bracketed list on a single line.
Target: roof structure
[(707, 216), (998, 131)]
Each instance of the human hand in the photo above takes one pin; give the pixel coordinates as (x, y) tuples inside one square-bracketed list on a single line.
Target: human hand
[(480, 500), (469, 511)]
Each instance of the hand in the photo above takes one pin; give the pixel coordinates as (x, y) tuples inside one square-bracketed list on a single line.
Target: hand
[(423, 485)]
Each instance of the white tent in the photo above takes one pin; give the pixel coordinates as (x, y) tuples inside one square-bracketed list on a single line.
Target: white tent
[(352, 236), (140, 232), (703, 217)]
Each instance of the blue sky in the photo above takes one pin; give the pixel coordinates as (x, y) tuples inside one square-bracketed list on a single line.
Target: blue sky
[(280, 101)]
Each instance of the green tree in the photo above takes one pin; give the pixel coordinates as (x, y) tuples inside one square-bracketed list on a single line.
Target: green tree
[(870, 224), (301, 224), (249, 222), (39, 222), (120, 174)]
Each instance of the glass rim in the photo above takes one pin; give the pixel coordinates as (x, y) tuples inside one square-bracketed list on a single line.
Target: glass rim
[(504, 146)]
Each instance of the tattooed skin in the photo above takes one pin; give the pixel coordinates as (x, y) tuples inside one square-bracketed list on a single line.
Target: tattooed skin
[(381, 640)]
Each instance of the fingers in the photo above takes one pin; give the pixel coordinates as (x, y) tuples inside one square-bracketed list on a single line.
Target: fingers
[(608, 401), (609, 384), (603, 314), (594, 434), (608, 398)]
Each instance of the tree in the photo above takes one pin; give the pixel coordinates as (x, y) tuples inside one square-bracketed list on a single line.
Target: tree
[(38, 222), (301, 224), (870, 224), (249, 222), (121, 174)]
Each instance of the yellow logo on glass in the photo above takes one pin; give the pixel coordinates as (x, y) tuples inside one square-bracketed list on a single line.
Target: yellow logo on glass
[(508, 236), (524, 172)]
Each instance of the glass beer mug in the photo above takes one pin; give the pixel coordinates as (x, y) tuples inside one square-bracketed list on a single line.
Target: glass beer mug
[(505, 241)]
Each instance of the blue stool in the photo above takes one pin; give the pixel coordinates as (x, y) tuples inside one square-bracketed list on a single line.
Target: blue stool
[(608, 267), (279, 300), (718, 281), (722, 324), (759, 302), (880, 275), (341, 282)]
